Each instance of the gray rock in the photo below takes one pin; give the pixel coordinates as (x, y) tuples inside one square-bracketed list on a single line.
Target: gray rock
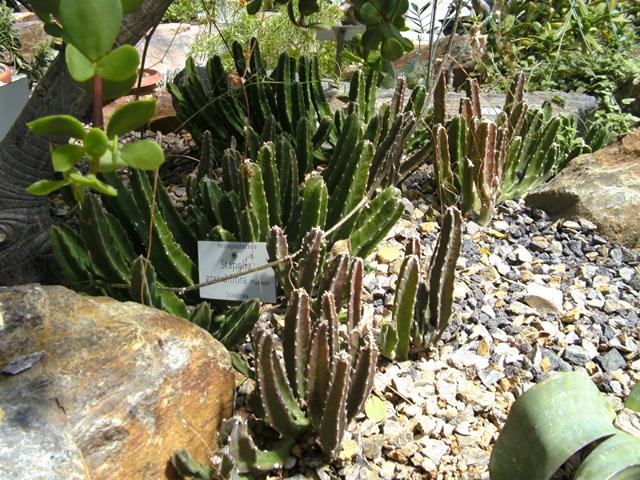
[(612, 360), (576, 355)]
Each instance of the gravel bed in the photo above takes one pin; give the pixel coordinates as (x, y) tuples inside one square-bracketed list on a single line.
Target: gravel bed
[(533, 296)]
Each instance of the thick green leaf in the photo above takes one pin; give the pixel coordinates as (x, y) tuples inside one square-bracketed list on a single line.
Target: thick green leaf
[(633, 400), (131, 116), (119, 64), (65, 157), (617, 458), (392, 49), (80, 67), (547, 425), (96, 142), (143, 155), (57, 125), (92, 25), (49, 7), (92, 182), (254, 6), (45, 187), (108, 163), (112, 90), (375, 408), (129, 6)]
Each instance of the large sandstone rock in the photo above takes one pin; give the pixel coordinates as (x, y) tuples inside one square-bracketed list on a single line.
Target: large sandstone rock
[(117, 387), (603, 187)]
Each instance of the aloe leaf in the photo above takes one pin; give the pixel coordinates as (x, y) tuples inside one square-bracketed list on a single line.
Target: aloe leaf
[(617, 458), (633, 400), (547, 425)]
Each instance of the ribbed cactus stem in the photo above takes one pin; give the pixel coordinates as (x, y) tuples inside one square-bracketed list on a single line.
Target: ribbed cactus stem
[(354, 308), (318, 372), (442, 270), (295, 340), (403, 305), (362, 377), (309, 261), (335, 277), (334, 419), (278, 250), (330, 314)]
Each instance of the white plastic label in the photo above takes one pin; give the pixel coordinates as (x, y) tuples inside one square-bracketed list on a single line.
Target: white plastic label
[(221, 259)]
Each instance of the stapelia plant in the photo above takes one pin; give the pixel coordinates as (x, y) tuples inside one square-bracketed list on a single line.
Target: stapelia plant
[(325, 379), (422, 304), (237, 458), (479, 163), (89, 28), (556, 419)]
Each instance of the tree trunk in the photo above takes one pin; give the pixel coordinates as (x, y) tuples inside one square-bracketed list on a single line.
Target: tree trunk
[(25, 255)]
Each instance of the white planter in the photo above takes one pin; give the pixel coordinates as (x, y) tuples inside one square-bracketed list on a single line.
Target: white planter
[(13, 98)]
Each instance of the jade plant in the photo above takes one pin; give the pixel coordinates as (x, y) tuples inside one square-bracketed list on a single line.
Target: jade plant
[(479, 163), (558, 418), (423, 302), (89, 29)]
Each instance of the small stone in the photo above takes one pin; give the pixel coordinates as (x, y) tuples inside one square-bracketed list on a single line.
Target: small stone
[(372, 446), (571, 225), (489, 377), (522, 254), (501, 225), (612, 360), (570, 316), (576, 355), (428, 227), (388, 254), (349, 450), (543, 299)]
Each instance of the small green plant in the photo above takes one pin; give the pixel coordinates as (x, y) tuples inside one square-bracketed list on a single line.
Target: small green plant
[(276, 34), (555, 420), (187, 11), (423, 303), (89, 29)]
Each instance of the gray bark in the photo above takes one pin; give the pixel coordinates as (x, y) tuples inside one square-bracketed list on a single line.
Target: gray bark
[(25, 255)]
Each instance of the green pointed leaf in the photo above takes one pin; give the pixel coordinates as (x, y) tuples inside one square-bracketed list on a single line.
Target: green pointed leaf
[(65, 157), (143, 155), (129, 6), (96, 142), (131, 116), (45, 187), (375, 408), (119, 64), (92, 182), (92, 25), (80, 67), (57, 125), (110, 163)]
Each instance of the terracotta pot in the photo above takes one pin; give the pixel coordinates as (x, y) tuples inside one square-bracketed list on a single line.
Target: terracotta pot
[(150, 79), (5, 73)]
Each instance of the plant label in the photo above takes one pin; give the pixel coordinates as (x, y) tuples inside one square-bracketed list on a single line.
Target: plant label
[(217, 260)]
